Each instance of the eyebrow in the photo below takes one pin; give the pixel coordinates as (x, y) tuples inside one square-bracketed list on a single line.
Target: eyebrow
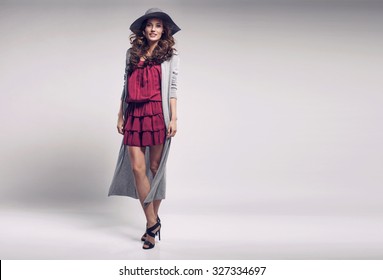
[(157, 22)]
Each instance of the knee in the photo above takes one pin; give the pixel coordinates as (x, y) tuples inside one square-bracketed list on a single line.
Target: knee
[(138, 170), (154, 167)]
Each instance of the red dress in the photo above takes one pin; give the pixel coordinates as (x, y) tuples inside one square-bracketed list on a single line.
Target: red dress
[(145, 124)]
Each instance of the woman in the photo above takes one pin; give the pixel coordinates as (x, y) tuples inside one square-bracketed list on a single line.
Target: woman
[(147, 117)]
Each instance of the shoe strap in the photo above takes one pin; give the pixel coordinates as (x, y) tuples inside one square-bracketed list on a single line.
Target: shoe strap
[(150, 230), (151, 233), (149, 244)]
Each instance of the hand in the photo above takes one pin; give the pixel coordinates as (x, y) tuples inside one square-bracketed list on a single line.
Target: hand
[(172, 129), (120, 125)]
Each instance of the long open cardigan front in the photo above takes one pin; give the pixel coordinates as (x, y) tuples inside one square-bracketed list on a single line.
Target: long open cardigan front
[(123, 182)]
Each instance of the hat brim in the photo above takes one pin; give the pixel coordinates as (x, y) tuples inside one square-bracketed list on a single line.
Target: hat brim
[(136, 25)]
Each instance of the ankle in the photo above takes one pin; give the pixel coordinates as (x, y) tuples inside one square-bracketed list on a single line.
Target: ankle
[(151, 223)]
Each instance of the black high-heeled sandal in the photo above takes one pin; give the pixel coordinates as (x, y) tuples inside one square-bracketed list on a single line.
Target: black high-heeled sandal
[(143, 238), (150, 232)]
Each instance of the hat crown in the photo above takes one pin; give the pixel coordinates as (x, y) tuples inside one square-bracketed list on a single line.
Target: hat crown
[(153, 10)]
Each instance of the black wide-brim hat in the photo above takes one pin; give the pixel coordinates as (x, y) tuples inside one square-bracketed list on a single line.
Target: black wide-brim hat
[(154, 13)]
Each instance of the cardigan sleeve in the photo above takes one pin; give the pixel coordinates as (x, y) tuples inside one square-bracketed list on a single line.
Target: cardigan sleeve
[(174, 76), (126, 74)]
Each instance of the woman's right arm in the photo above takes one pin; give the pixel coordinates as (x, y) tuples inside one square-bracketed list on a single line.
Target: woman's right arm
[(120, 120)]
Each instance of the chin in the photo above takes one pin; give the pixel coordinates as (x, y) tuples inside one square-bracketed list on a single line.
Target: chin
[(154, 40)]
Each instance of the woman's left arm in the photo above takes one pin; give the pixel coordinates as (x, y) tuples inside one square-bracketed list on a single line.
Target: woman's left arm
[(172, 129)]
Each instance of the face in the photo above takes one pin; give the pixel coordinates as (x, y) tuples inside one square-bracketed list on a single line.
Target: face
[(153, 30)]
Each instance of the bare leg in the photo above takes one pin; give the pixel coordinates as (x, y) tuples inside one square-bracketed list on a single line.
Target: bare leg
[(156, 206), (155, 157), (137, 158)]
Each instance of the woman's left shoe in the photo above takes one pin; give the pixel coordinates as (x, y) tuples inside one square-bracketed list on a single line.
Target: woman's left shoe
[(143, 238), (150, 231)]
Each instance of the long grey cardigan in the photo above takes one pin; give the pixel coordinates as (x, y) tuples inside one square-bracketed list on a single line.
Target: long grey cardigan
[(123, 182)]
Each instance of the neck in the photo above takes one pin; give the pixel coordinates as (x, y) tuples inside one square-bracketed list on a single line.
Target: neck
[(152, 45)]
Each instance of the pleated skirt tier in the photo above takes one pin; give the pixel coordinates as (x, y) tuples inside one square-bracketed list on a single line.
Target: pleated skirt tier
[(145, 124)]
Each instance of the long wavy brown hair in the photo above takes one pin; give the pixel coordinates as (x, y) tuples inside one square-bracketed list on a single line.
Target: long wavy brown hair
[(162, 52)]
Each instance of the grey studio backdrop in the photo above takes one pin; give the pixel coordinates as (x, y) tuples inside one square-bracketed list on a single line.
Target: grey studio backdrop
[(279, 147)]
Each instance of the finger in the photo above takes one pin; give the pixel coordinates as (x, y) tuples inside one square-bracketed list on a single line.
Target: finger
[(171, 133)]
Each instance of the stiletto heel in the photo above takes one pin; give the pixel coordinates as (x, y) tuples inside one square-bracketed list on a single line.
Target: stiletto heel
[(150, 232), (143, 238)]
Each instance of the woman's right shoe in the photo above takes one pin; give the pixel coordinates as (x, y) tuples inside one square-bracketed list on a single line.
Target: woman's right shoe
[(150, 231), (143, 238)]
